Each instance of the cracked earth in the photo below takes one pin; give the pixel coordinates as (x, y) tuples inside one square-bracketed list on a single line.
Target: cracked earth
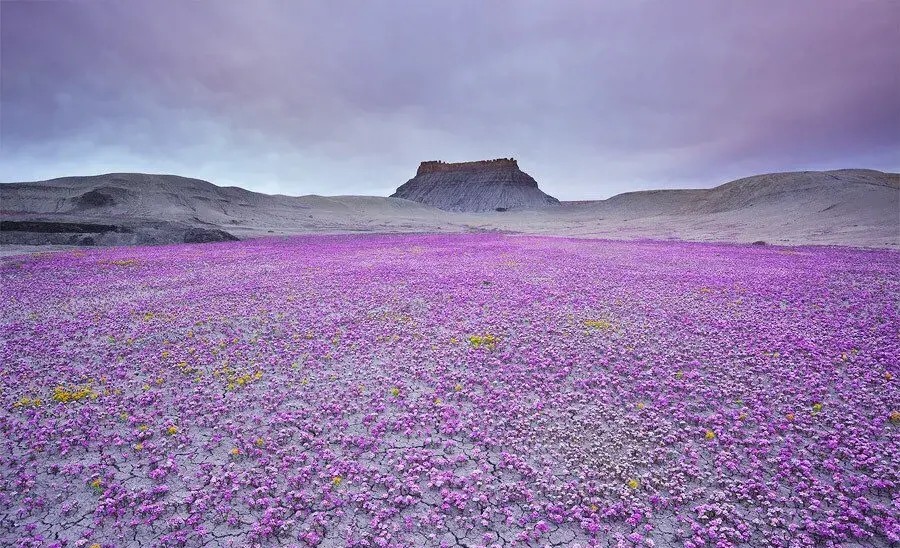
[(465, 390)]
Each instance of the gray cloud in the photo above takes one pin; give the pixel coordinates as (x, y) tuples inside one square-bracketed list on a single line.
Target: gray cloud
[(347, 97)]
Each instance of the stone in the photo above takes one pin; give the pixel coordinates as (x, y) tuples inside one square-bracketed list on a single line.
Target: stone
[(487, 185)]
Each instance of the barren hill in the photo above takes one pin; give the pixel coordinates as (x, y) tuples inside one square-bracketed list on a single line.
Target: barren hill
[(843, 207), (146, 208), (487, 185)]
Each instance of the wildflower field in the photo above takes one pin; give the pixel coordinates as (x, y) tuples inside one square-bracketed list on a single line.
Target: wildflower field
[(465, 390)]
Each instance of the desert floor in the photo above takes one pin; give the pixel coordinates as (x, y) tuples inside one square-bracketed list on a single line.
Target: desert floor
[(444, 390)]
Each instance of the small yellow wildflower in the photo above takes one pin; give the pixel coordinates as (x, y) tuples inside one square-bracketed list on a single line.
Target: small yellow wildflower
[(336, 481), (633, 483), (458, 388), (790, 417), (95, 545), (139, 447), (437, 401), (640, 405), (888, 376), (96, 485), (679, 375), (260, 442), (895, 417), (172, 430), (816, 407), (62, 394), (486, 341), (395, 391), (234, 452), (710, 435), (27, 402), (598, 324)]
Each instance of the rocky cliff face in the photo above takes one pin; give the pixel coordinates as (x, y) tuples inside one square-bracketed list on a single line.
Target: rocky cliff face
[(487, 185)]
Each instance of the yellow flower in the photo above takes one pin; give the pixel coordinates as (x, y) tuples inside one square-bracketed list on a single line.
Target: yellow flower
[(172, 430), (640, 405), (598, 324), (336, 481), (633, 483), (395, 391), (458, 388), (487, 341), (95, 545), (816, 407), (27, 402), (66, 395), (234, 452), (710, 435), (139, 447), (260, 442), (895, 417)]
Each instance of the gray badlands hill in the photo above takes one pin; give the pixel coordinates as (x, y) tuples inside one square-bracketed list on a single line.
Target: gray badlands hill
[(844, 207), (139, 208), (487, 185), (857, 207)]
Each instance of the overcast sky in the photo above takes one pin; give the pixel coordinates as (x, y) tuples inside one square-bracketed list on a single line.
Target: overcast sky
[(593, 98)]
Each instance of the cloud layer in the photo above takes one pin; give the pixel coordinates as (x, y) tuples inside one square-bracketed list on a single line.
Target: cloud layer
[(347, 97)]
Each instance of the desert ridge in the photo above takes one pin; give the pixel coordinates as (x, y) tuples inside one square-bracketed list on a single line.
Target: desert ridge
[(853, 207)]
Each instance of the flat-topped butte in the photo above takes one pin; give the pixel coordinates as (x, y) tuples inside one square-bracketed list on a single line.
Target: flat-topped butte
[(485, 185)]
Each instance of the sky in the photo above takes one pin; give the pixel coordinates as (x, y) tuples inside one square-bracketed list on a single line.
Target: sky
[(347, 97)]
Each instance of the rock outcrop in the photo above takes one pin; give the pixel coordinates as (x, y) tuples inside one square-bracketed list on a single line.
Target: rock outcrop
[(487, 185), (35, 231)]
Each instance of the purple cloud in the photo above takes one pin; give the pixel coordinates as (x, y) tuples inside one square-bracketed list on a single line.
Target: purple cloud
[(349, 97)]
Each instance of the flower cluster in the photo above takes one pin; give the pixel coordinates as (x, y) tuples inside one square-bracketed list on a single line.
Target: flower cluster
[(478, 390), (63, 394)]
